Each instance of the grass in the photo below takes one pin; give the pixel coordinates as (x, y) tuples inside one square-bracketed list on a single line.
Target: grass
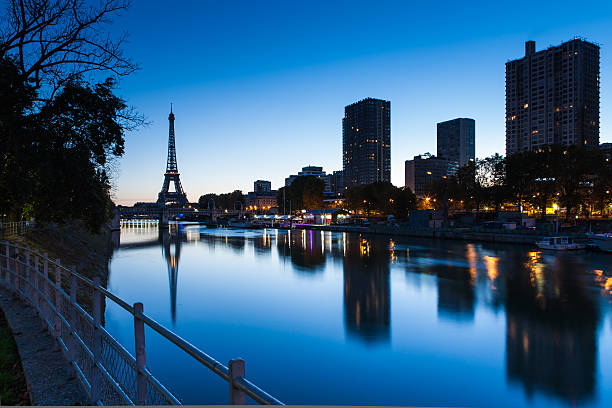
[(13, 389)]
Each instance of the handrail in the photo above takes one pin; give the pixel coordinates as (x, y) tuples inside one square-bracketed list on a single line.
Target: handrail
[(16, 266)]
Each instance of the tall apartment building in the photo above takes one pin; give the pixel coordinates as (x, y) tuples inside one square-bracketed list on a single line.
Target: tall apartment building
[(366, 142), (552, 97), (456, 140)]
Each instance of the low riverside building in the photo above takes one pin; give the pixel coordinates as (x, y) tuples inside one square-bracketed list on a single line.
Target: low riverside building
[(425, 219), (326, 216), (425, 169), (519, 219), (262, 198)]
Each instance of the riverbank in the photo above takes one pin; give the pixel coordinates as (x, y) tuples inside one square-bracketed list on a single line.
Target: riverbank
[(74, 245), (49, 376), (510, 237), (13, 388), (50, 379)]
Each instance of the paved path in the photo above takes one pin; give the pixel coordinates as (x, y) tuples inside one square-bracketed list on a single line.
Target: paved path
[(50, 378)]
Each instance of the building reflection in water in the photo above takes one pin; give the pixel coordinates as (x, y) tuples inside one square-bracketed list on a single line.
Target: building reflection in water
[(456, 298), (550, 311), (367, 295), (551, 323), (304, 248)]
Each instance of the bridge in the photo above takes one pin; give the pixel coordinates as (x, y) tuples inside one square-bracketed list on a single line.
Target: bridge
[(164, 214)]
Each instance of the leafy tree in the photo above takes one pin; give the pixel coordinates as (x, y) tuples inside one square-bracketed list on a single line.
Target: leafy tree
[(470, 178), (521, 171), (225, 201), (55, 158), (380, 198), (574, 176), (16, 101), (491, 175), (602, 183), (304, 193), (60, 128)]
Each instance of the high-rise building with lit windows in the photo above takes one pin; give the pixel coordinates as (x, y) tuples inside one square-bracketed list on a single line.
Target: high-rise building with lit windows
[(366, 142), (456, 140), (552, 97)]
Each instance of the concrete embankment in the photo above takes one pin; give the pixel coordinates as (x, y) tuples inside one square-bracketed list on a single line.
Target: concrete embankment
[(500, 237)]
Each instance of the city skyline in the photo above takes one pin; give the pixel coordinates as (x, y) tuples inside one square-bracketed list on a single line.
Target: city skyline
[(256, 118)]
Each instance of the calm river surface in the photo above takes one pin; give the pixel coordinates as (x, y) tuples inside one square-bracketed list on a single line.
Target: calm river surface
[(339, 318)]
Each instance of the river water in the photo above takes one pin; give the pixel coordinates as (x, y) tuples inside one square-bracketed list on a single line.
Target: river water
[(344, 318)]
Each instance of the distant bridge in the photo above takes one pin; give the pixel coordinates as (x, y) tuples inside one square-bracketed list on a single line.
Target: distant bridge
[(187, 214)]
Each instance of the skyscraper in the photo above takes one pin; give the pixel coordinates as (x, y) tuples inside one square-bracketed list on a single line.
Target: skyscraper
[(456, 140), (366, 142), (552, 97)]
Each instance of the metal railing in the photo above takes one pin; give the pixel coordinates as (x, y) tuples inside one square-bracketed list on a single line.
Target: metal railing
[(109, 373), (13, 229)]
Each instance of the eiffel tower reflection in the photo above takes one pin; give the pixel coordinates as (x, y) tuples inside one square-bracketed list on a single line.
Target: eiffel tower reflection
[(169, 237)]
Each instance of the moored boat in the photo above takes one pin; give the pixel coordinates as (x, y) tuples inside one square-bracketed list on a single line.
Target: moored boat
[(602, 241), (559, 244), (240, 223)]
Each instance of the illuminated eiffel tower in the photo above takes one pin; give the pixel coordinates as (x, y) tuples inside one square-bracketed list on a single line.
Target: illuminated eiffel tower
[(178, 196)]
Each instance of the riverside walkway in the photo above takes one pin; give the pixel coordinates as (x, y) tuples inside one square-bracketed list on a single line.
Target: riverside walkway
[(70, 307)]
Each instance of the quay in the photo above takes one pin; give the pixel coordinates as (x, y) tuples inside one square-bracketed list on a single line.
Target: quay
[(510, 237)]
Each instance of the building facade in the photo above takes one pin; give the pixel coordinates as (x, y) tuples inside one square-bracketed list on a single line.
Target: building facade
[(336, 183), (552, 97), (456, 140), (262, 186), (366, 142), (316, 171), (424, 169), (263, 197)]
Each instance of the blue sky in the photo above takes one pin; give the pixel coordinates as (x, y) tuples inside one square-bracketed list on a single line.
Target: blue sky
[(259, 87)]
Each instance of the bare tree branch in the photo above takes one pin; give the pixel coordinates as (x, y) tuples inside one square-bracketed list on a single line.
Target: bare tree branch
[(56, 41)]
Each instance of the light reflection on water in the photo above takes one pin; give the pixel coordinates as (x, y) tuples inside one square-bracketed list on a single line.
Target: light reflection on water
[(339, 318)]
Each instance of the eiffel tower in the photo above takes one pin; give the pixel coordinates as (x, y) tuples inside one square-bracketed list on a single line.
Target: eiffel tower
[(178, 196)]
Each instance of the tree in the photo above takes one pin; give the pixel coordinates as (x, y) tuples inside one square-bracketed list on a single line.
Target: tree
[(16, 99), (602, 183), (225, 201), (304, 193), (491, 175), (521, 172), (574, 176), (55, 42), (380, 198)]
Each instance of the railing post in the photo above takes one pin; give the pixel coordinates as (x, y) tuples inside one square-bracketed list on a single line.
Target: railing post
[(17, 272), (57, 321), (26, 276), (141, 357), (35, 280), (96, 380), (236, 370), (8, 265), (46, 307), (73, 317)]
